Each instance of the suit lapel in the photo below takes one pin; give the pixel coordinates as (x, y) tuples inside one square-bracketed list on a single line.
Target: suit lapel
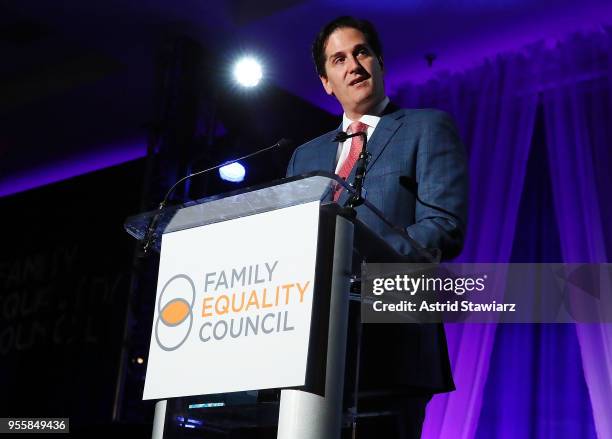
[(387, 126)]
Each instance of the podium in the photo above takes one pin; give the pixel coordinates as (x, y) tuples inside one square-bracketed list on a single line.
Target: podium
[(253, 294)]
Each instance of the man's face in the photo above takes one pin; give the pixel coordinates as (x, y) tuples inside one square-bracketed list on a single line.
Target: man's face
[(354, 74)]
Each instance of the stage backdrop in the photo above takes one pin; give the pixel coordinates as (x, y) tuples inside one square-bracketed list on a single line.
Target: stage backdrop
[(64, 276), (536, 124)]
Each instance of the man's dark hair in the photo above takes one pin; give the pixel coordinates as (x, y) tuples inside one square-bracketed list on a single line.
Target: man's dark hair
[(364, 26)]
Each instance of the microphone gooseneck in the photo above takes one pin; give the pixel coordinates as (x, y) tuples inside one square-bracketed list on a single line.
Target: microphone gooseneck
[(148, 238), (356, 199)]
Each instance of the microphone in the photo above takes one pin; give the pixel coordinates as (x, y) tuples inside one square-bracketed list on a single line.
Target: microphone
[(342, 136), (411, 184), (148, 238), (357, 198), (280, 144)]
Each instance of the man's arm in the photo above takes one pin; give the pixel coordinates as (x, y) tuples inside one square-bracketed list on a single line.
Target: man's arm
[(290, 172), (441, 174)]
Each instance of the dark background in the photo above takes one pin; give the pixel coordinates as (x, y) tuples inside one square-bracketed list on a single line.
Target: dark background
[(103, 105)]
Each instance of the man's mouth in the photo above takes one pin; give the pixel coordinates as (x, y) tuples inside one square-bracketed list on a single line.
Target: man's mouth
[(357, 81)]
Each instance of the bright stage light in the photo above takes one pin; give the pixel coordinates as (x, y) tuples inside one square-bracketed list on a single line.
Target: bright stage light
[(247, 72), (234, 172)]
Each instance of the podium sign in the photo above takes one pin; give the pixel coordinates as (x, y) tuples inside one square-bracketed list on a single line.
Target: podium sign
[(235, 309), (233, 305)]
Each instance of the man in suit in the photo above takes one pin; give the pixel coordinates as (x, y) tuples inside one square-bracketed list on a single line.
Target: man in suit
[(402, 365)]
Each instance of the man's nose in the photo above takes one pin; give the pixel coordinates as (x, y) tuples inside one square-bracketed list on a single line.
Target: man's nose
[(354, 64)]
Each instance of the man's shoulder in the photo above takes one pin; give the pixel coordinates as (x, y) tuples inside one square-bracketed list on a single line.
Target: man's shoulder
[(421, 115), (310, 155), (325, 138), (409, 116), (417, 121)]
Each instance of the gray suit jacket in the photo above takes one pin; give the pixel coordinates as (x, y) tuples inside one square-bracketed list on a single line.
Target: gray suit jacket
[(423, 145)]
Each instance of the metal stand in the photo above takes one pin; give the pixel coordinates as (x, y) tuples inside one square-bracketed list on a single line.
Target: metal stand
[(305, 415), (159, 419)]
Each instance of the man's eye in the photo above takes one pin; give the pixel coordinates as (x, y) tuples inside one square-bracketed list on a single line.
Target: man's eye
[(338, 60), (363, 51)]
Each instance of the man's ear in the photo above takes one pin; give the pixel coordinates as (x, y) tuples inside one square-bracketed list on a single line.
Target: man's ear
[(326, 85)]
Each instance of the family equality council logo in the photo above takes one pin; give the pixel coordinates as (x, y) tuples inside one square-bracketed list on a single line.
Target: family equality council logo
[(238, 302), (175, 312)]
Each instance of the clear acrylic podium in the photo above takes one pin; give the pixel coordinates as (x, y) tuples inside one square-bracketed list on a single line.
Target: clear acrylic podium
[(315, 410)]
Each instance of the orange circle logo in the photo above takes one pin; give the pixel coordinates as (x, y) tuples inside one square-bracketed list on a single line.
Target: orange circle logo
[(175, 312)]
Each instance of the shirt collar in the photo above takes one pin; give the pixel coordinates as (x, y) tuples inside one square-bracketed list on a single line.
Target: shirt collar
[(370, 120)]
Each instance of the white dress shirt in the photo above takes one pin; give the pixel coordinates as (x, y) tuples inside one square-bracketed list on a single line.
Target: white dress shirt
[(371, 120)]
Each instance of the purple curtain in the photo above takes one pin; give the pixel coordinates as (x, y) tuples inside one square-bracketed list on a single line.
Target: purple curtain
[(536, 386), (496, 125), (538, 381), (578, 118)]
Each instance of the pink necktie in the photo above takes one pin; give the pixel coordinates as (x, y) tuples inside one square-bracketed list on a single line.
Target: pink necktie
[(353, 156)]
